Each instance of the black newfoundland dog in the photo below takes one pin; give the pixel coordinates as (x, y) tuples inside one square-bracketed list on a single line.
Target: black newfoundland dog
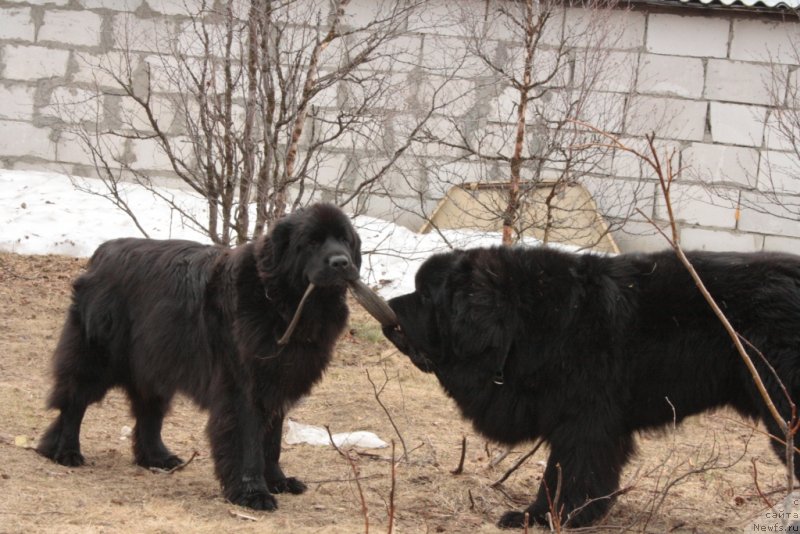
[(585, 350), (160, 317)]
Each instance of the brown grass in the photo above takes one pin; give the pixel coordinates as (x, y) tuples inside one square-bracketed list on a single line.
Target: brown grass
[(110, 494)]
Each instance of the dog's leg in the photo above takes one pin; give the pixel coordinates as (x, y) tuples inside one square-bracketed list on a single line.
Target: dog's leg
[(148, 448), (236, 432), (583, 473), (61, 440), (80, 379), (277, 482)]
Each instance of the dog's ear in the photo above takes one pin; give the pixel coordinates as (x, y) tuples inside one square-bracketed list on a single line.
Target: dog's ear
[(481, 318), (355, 249), (274, 246)]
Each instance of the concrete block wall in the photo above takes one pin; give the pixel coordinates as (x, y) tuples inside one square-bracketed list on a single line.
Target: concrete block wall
[(697, 78)]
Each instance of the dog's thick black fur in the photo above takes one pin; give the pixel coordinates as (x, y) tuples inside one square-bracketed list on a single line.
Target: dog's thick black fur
[(160, 317), (585, 350)]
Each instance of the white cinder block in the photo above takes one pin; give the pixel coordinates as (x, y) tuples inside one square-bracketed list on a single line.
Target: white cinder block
[(604, 28), (780, 131), (16, 102), (719, 164), (616, 71), (737, 124), (640, 236), (180, 7), (765, 40), (621, 199), (115, 5), (16, 23), (779, 172), (25, 140), (671, 75), (734, 81), (149, 35), (769, 216), (331, 171), (57, 3), (670, 118), (149, 155), (774, 243), (691, 35), (34, 62), (694, 238), (442, 17), (81, 28), (700, 205), (72, 148), (73, 105)]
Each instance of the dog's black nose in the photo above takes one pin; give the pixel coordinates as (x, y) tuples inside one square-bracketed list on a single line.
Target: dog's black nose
[(339, 261)]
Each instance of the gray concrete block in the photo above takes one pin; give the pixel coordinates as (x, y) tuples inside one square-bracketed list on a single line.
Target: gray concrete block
[(689, 35), (720, 164), (22, 139), (17, 23), (774, 243), (80, 28), (694, 238), (776, 216), (737, 124), (700, 205), (779, 172), (735, 81), (671, 76), (33, 62), (16, 102), (765, 40), (670, 118), (604, 28)]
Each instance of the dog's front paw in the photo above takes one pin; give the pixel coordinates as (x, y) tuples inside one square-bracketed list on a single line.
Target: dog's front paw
[(69, 458), (514, 519), (287, 485), (166, 463), (252, 495)]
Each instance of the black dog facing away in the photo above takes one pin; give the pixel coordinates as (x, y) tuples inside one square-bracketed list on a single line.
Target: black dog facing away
[(585, 350), (160, 317)]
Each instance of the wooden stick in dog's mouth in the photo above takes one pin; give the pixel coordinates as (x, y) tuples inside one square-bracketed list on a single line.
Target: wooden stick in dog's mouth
[(293, 324), (373, 303)]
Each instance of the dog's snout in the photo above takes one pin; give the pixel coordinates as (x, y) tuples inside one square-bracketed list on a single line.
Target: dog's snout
[(339, 261)]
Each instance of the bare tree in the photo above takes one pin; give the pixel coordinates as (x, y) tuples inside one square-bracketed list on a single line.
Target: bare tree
[(258, 106), (531, 66)]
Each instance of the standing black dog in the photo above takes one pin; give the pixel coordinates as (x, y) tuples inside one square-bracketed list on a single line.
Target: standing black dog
[(160, 317), (585, 350)]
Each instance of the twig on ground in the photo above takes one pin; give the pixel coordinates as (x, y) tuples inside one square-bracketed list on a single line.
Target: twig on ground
[(364, 509), (240, 515), (178, 467), (377, 391), (518, 464), (499, 458), (333, 443), (758, 488), (391, 492), (460, 469)]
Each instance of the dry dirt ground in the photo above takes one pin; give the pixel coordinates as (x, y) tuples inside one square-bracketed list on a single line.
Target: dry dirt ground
[(706, 464)]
